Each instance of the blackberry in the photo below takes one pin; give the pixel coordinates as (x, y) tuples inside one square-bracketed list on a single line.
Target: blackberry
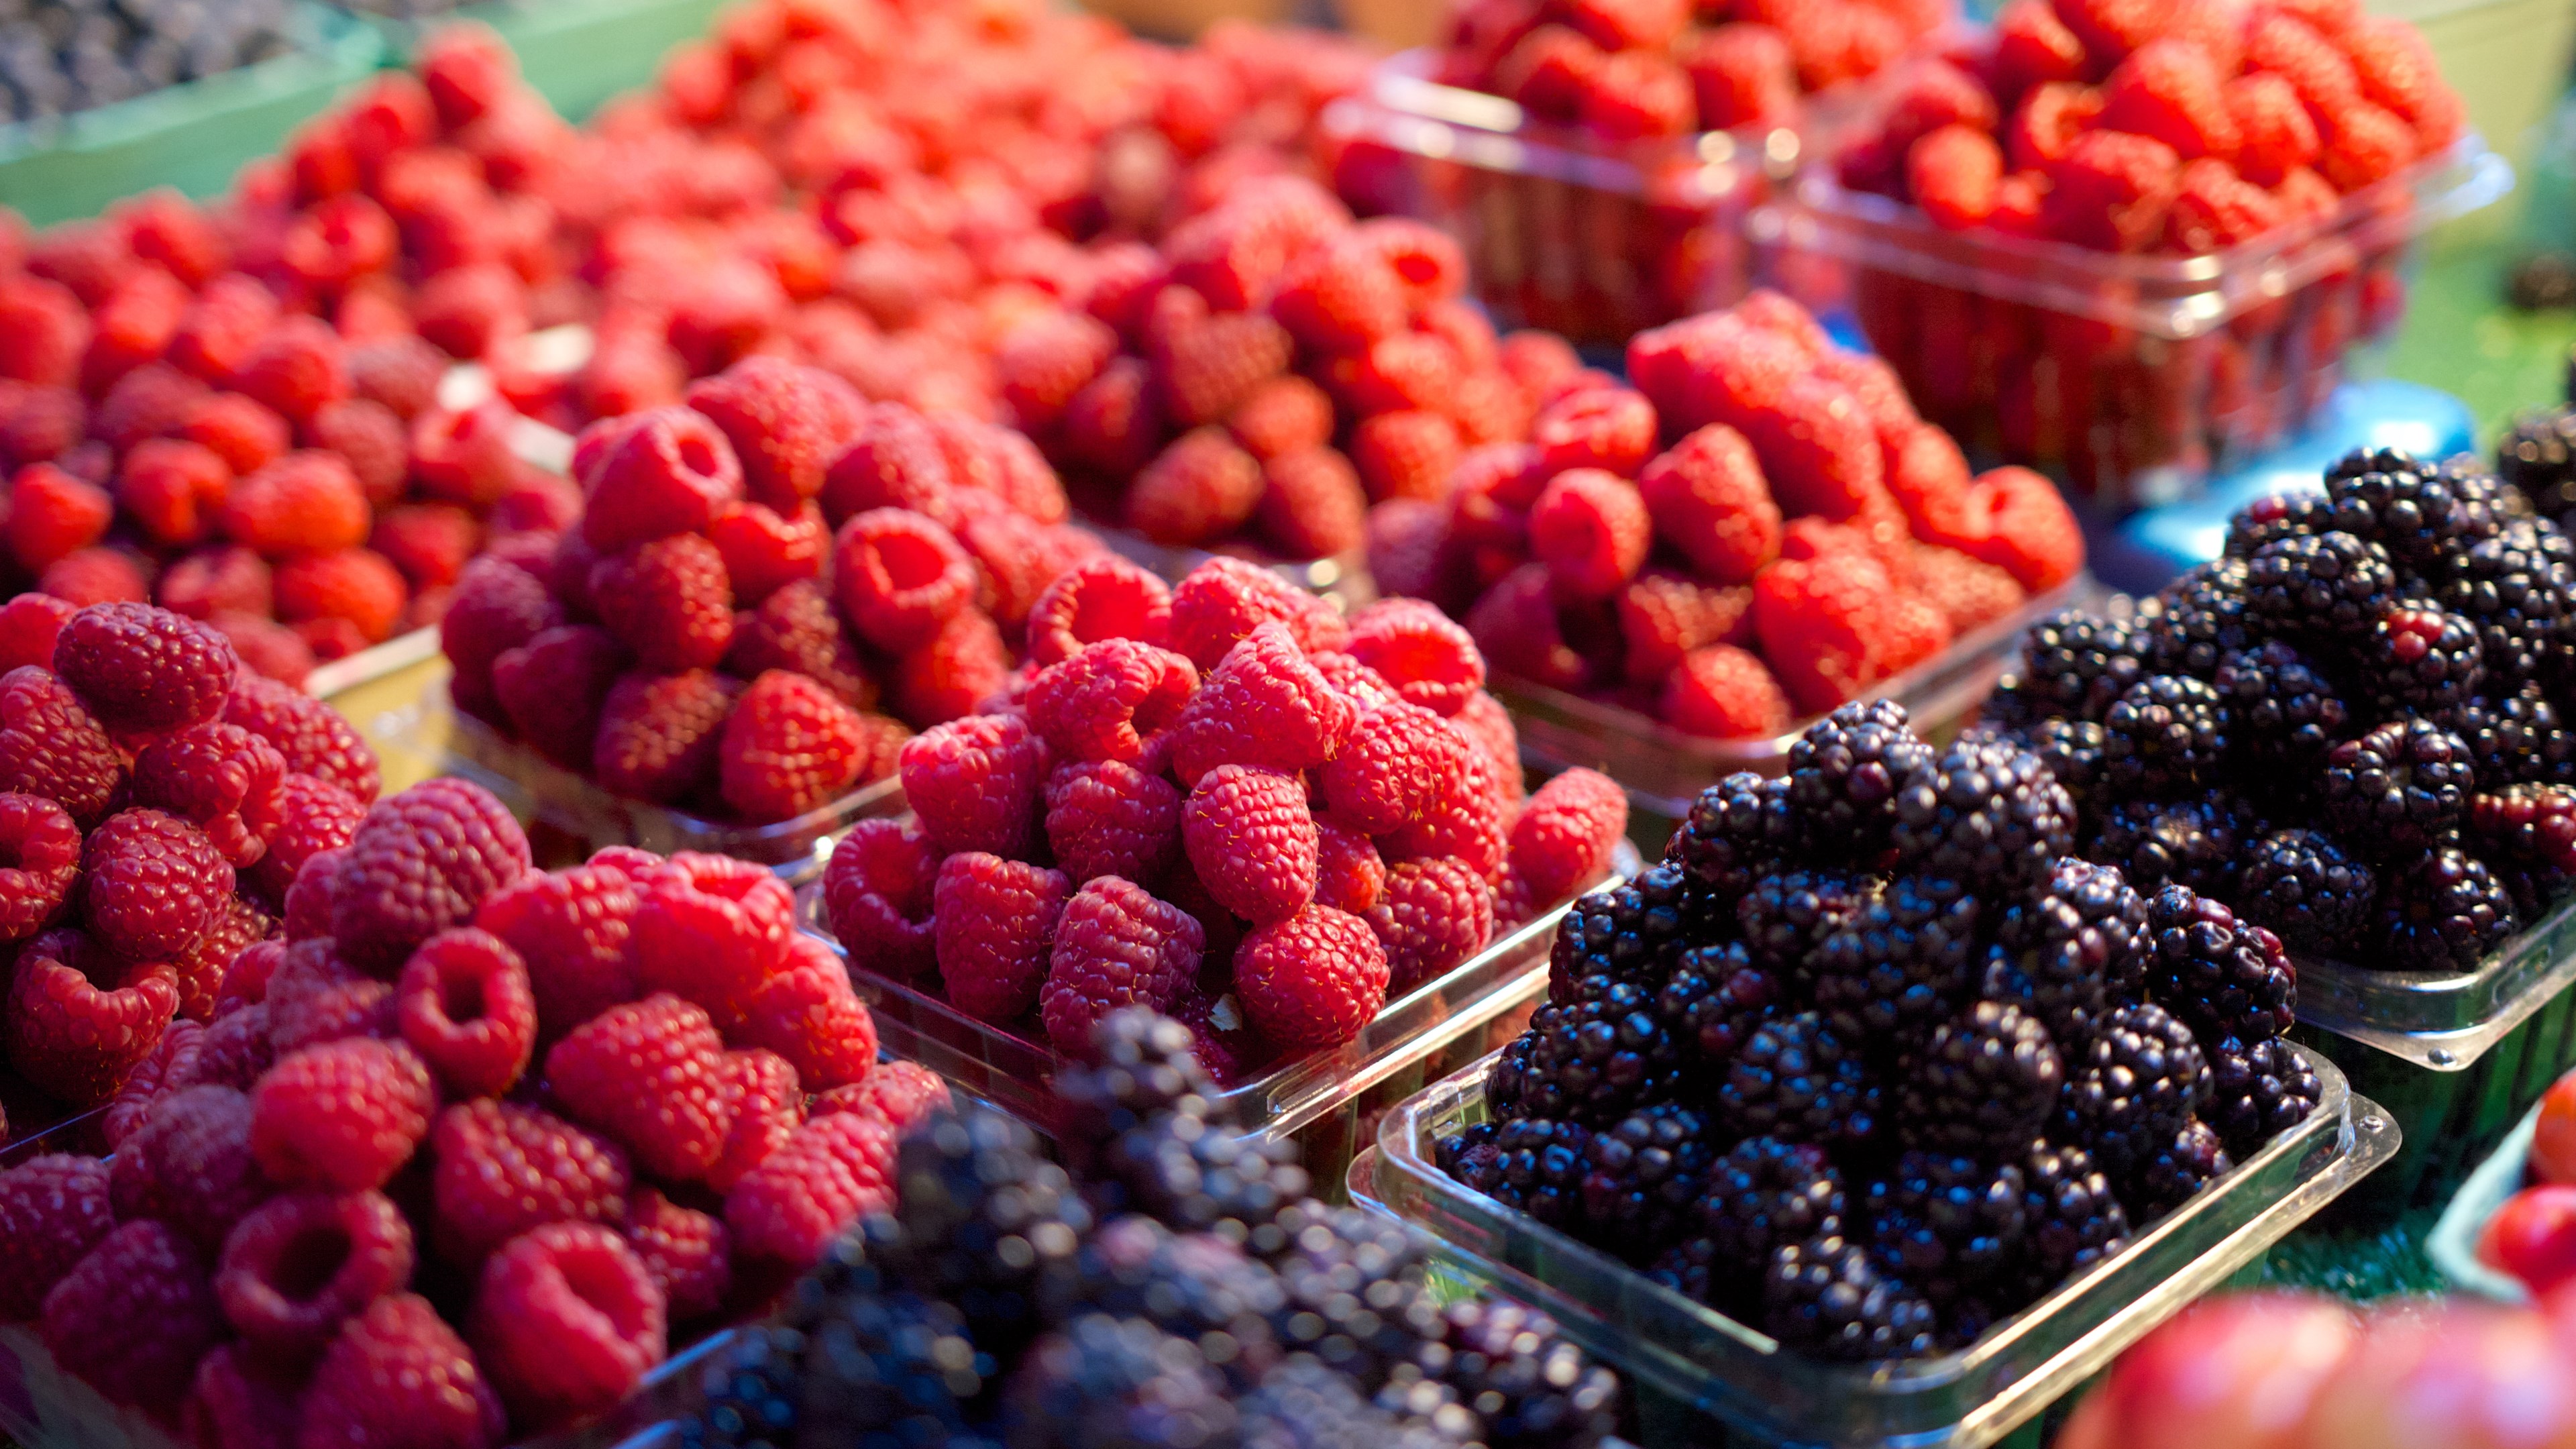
[(1596, 1061), (2398, 788), (1513, 1091), (2444, 911), (2132, 1087), (1950, 1224), (2072, 1219), (2317, 588), (1352, 1285), (890, 1367), (2075, 662), (1765, 1194), (2163, 738), (1986, 1083), (2516, 739), (2071, 750), (1303, 1404), (2518, 597), (750, 1394), (2538, 456), (1826, 1297), (985, 1222), (2283, 713), (1984, 814), (1898, 965), (2276, 516), (1530, 1387), (1195, 1176), (2191, 1160), (1626, 932), (1144, 1068), (1843, 774), (2070, 949), (1784, 917), (1694, 1269), (1713, 1000), (2419, 659), (2199, 620), (2536, 890), (2011, 706), (1740, 828), (2409, 510), (2305, 888), (1469, 1154), (2527, 824), (1795, 1079), (2478, 484), (2257, 1092), (2223, 977), (2357, 461), (1107, 1380), (2199, 843), (1641, 1176), (1536, 1166)]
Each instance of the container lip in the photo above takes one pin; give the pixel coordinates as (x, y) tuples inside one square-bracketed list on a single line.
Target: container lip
[(2175, 298), (2358, 1134), (367, 665), (2453, 1242), (2378, 999)]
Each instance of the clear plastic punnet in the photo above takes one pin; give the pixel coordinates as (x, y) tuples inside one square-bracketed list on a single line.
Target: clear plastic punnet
[(2453, 1243), (1701, 1376), (2131, 377)]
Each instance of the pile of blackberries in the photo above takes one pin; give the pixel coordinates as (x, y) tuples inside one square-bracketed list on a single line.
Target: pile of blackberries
[(61, 56)]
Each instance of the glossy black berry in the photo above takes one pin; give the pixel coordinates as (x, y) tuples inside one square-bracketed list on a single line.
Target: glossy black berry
[(2257, 1092), (2199, 619), (2222, 976), (1740, 828), (2073, 1219), (2071, 948), (2307, 889), (1986, 1081), (2199, 842), (2131, 1088), (1949, 1224), (2073, 664), (2405, 507), (1898, 965), (1795, 1079), (2283, 712), (1766, 1193), (1843, 774), (1984, 814), (2517, 739), (2162, 738), (2276, 516), (2419, 659), (1826, 1297), (2443, 911), (2397, 788), (2179, 1170), (2317, 589), (1713, 1001)]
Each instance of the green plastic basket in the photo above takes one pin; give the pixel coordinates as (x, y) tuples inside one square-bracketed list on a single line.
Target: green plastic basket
[(577, 53), (193, 136)]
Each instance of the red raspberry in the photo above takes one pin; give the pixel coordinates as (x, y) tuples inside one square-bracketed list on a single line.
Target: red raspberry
[(1225, 599), (2168, 89), (420, 863), (553, 686), (172, 488), (810, 1018), (1311, 981), (221, 327), (2217, 209), (899, 577), (53, 1209), (877, 894), (1592, 530), (245, 435), (2033, 47), (788, 747), (1043, 362), (220, 778), (146, 403), (1102, 703), (1955, 174), (1563, 839), (304, 502), (51, 747), (668, 600), (1819, 450), (314, 997), (974, 782), (710, 929), (500, 1169), (152, 883), (1470, 822), (894, 462), (2277, 134), (29, 625), (42, 848), (495, 608), (1349, 875), (786, 423), (2015, 520), (2364, 143), (2047, 122), (1408, 370), (671, 472), (342, 1114), (1609, 428), (1408, 453), (468, 71), (650, 1074), (400, 373), (795, 629), (1116, 423), (296, 370), (356, 1244), (464, 457), (1539, 363), (829, 1173), (315, 739), (1725, 692), (1707, 497), (1488, 728), (466, 310), (353, 586), (1515, 627), (1196, 491), (1425, 258), (1819, 620), (177, 1055), (201, 969), (39, 424), (1110, 818), (267, 648), (315, 817), (577, 924), (133, 1318), (1393, 768), (1427, 657), (1265, 705), (1251, 840), (464, 1003), (1433, 916), (1115, 946), (235, 1402), (763, 552), (114, 576), (141, 668), (2281, 42), (567, 1321), (53, 515), (2397, 70), (372, 441), (235, 1050), (1741, 75), (2110, 191), (1663, 617), (659, 733), (1340, 297), (1637, 95), (1311, 504), (398, 1376), (1282, 416), (686, 1253), (898, 1093), (43, 331), (1102, 598), (992, 923)]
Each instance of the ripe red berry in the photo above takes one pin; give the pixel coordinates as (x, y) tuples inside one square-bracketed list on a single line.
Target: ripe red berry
[(342, 1114), (1311, 981), (298, 1265), (566, 1321)]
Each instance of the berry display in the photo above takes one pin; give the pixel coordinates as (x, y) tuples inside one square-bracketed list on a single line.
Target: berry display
[(63, 58), (1920, 1061)]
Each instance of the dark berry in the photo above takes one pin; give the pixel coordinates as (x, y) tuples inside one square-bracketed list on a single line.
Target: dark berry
[(1826, 1297), (2071, 948), (2223, 977), (2306, 889), (1986, 1082), (2443, 911), (2132, 1088), (2518, 596), (1949, 1224), (2320, 589), (1985, 814), (1784, 917), (2198, 843), (2419, 659), (2409, 510), (1795, 1079), (2257, 1093), (2190, 1160), (2073, 1220), (1642, 1176), (2075, 663), (1766, 1193), (1740, 828), (1713, 1001), (2162, 738), (2199, 619), (2398, 788), (2520, 738), (1843, 775), (2283, 713), (2276, 516), (1899, 964)]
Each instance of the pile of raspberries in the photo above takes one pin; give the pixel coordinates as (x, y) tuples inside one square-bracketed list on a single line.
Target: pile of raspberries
[(2130, 126), (233, 412), (156, 803), (1200, 391), (705, 638), (468, 1125), (1640, 70), (1221, 800), (1758, 530)]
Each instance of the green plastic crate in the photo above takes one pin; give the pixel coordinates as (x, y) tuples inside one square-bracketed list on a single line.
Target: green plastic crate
[(577, 53), (193, 136)]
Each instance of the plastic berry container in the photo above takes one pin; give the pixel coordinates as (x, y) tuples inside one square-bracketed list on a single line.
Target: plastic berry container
[(2453, 1243), (2454, 1059), (1663, 769), (1593, 239), (1702, 1377), (569, 817), (2130, 378)]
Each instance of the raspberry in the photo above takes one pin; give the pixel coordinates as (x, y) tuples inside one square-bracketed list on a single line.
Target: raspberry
[(53, 515), (246, 436), (42, 848), (189, 1164), (1115, 946), (795, 629), (315, 739), (1102, 598), (372, 441), (314, 817), (992, 922), (668, 600), (2280, 41), (1707, 496), (29, 625), (1955, 175), (236, 1403), (43, 331), (1406, 453), (177, 1055), (670, 472), (899, 577), (1469, 821), (356, 1244), (553, 686), (234, 1051), (1725, 693), (429, 542), (140, 668), (578, 923), (1043, 362), (1664, 616), (1311, 504), (355, 585), (342, 1114), (464, 457), (420, 863), (296, 370), (1820, 622), (2168, 89), (2364, 143), (2015, 519), (894, 462), (686, 1253), (788, 747), (764, 551), (1592, 530), (808, 1015), (829, 1173), (200, 970), (1252, 841), (1282, 416), (567, 1321), (464, 1003), (314, 997), (220, 778), (1102, 703), (710, 929), (1311, 981), (1225, 599), (495, 608), (104, 576), (1349, 875), (53, 1209), (1340, 297), (2047, 122), (1563, 839), (500, 1169), (267, 647), (39, 424), (2216, 209), (133, 1317), (1608, 428), (152, 883), (1199, 489), (659, 733), (399, 1377), (766, 1102), (2110, 191), (2396, 69), (974, 782), (304, 502), (1431, 661), (400, 373), (172, 488), (1115, 424), (1393, 768), (898, 1093), (2277, 135), (1433, 915), (1266, 705), (649, 1074), (877, 895)]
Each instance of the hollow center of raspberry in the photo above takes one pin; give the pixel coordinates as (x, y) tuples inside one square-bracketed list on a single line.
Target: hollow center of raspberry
[(597, 1280), (312, 1259), (698, 457), (460, 998), (911, 563)]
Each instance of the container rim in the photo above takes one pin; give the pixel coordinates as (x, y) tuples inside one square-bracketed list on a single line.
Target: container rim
[(2403, 1013)]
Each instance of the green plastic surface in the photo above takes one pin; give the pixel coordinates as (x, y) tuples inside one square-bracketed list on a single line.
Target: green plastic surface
[(577, 53)]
